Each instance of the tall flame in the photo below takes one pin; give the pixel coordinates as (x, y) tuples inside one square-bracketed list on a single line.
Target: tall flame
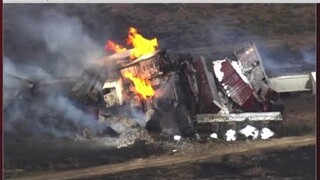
[(141, 45), (142, 87)]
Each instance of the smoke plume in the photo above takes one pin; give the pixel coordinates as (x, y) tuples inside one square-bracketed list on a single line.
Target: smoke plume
[(49, 44)]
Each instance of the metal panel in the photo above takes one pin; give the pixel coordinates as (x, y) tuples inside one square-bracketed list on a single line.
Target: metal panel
[(239, 117), (141, 59), (253, 69), (291, 83), (248, 56), (117, 92), (209, 98), (239, 91), (145, 68)]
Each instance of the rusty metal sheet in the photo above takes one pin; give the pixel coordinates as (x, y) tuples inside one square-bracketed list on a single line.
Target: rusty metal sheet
[(234, 86), (208, 94)]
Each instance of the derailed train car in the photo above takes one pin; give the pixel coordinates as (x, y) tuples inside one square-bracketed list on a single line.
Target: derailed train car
[(186, 92)]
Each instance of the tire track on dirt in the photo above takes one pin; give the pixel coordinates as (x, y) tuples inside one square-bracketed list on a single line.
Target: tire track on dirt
[(174, 159)]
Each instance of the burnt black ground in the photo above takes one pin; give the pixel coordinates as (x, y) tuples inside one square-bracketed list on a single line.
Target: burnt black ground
[(67, 154), (27, 155), (293, 163)]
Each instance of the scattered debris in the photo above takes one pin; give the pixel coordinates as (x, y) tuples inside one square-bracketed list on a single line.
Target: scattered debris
[(187, 89), (175, 150), (177, 137), (214, 136), (230, 135), (250, 131), (266, 133)]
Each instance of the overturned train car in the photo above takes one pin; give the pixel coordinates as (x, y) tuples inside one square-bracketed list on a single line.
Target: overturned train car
[(191, 95)]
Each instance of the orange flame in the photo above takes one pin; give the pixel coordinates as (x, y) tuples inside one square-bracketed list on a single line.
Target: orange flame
[(114, 47), (142, 87), (141, 45)]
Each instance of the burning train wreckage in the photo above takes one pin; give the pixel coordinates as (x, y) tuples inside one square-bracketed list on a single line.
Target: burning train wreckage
[(182, 95), (178, 94)]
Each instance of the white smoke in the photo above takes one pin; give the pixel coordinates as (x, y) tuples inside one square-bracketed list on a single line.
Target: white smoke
[(309, 57), (54, 114), (57, 42), (66, 50), (73, 49), (282, 61), (66, 35)]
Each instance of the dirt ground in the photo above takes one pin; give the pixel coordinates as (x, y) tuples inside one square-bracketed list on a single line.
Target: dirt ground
[(252, 159), (34, 156), (268, 165), (209, 30)]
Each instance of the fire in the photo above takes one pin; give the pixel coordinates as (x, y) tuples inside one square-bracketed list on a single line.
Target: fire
[(140, 45), (114, 47), (142, 87)]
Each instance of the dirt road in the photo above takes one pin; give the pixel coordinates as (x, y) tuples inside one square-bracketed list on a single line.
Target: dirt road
[(176, 158)]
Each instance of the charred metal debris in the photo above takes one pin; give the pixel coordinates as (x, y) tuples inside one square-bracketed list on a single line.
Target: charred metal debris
[(192, 94)]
